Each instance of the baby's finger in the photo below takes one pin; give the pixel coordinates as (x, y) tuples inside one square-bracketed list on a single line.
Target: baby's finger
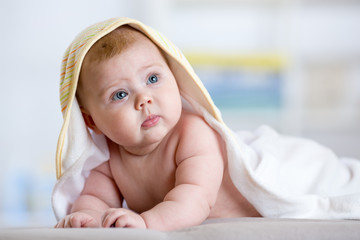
[(67, 223), (130, 220), (90, 223), (75, 221), (123, 221), (110, 217), (60, 224)]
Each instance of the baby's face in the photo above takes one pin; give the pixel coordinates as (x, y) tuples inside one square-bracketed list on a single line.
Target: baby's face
[(133, 97)]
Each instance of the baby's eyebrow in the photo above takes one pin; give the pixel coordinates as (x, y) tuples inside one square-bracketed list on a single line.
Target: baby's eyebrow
[(150, 65), (103, 91)]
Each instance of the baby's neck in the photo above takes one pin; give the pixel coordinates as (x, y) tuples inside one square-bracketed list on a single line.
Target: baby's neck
[(139, 151)]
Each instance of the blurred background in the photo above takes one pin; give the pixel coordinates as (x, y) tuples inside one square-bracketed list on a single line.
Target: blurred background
[(291, 64)]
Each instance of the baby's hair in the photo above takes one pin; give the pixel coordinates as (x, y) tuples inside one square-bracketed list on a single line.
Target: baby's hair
[(111, 44)]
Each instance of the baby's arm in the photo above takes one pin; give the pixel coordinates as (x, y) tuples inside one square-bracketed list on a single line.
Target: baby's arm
[(198, 179), (99, 194)]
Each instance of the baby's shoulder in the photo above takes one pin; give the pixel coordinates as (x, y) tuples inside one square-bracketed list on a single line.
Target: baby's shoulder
[(196, 135), (191, 123)]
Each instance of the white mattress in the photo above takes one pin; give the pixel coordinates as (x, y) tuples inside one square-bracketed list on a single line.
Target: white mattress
[(239, 228)]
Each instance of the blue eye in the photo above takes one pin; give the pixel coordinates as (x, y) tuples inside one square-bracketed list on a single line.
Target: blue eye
[(152, 79), (119, 95)]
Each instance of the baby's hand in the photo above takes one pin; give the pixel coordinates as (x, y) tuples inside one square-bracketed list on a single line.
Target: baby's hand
[(123, 218), (77, 220)]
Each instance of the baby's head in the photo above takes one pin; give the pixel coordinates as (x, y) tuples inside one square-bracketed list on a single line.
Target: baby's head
[(126, 89)]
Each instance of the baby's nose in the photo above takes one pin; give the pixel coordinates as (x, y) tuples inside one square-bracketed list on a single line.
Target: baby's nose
[(142, 101)]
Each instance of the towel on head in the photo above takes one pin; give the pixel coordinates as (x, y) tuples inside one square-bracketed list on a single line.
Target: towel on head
[(281, 176)]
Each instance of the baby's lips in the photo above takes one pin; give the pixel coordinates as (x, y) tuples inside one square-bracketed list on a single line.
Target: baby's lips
[(150, 121)]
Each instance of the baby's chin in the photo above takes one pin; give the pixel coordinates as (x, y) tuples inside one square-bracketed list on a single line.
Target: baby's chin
[(155, 137)]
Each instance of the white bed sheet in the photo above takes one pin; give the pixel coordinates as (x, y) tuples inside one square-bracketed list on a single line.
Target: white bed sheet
[(237, 228)]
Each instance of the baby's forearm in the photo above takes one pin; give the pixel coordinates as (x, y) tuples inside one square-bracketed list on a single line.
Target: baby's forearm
[(179, 210), (91, 205)]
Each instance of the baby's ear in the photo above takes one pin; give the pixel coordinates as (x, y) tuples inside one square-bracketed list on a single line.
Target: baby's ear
[(89, 120)]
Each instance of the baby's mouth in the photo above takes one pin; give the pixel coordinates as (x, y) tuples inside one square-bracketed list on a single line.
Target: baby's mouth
[(150, 121)]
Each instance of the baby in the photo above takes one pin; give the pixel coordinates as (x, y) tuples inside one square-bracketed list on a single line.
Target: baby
[(140, 128), (166, 162)]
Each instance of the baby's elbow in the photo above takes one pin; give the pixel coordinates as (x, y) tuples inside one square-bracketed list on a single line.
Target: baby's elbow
[(203, 201), (207, 200), (211, 201), (211, 193)]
